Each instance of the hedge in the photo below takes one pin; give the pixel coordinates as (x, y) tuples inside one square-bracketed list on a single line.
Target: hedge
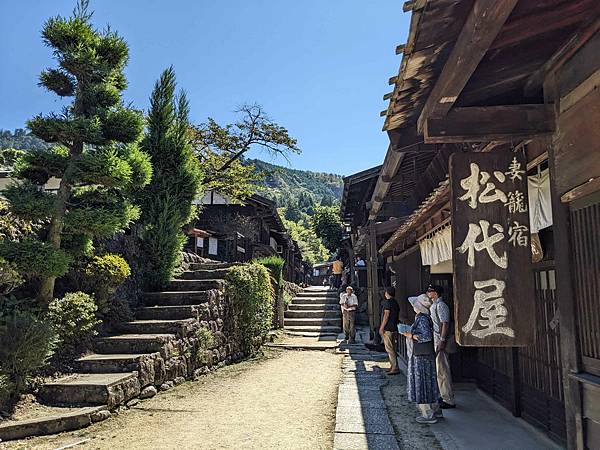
[(249, 286)]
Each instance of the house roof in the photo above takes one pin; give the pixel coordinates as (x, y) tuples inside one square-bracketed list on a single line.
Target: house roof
[(357, 189), (508, 70)]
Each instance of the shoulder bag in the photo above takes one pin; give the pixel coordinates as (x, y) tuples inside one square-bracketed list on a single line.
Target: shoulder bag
[(424, 348)]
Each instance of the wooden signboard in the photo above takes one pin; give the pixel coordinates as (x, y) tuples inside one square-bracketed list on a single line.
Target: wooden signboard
[(493, 280)]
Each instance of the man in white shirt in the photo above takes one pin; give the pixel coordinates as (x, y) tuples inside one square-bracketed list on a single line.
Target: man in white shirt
[(440, 316), (349, 304)]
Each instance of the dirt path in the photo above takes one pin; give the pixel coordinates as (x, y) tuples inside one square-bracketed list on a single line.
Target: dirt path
[(285, 400)]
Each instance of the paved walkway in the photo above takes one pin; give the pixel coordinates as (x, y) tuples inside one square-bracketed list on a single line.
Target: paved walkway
[(362, 420), (374, 413)]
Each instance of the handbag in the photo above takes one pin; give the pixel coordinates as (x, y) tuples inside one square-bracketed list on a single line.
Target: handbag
[(424, 348)]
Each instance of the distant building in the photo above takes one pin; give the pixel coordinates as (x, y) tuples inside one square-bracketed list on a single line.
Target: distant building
[(237, 233)]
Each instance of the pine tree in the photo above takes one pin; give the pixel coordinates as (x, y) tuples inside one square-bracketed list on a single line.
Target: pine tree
[(93, 152), (167, 200)]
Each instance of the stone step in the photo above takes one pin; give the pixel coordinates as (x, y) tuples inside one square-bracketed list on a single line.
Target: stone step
[(210, 266), (170, 312), (313, 329), (133, 343), (195, 285), (111, 363), (111, 389), (179, 327), (310, 313), (313, 300), (205, 274), (174, 298), (318, 322), (317, 294), (314, 306)]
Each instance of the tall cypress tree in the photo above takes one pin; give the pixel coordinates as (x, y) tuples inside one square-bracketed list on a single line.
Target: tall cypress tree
[(94, 152), (167, 200)]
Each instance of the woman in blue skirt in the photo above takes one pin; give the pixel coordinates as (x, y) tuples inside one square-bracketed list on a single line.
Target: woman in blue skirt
[(422, 378)]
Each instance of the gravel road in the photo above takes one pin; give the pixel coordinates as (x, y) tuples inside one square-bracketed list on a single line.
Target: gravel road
[(284, 400)]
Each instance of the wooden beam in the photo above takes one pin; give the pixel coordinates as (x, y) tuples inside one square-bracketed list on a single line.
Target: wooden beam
[(408, 6), (400, 49), (582, 190), (491, 123), (544, 21), (389, 226), (387, 96), (481, 28), (568, 49)]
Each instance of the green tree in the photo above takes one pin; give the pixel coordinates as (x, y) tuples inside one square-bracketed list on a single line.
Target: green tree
[(327, 225), (221, 150), (167, 200), (94, 151), (311, 247)]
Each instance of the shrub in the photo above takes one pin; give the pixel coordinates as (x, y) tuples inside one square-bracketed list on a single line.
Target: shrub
[(26, 342), (104, 274), (249, 286), (73, 318), (32, 257), (275, 266), (7, 392), (205, 340), (10, 278), (13, 228)]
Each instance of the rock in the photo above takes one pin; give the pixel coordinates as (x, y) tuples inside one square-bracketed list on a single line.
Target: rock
[(148, 392), (99, 416), (131, 403), (166, 386), (178, 380)]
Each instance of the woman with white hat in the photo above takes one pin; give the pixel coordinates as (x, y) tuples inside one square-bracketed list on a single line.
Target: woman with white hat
[(422, 379)]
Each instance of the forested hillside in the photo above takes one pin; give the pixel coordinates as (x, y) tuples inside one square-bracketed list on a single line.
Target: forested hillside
[(299, 189)]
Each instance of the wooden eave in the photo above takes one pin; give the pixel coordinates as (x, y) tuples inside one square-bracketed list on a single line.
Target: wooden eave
[(357, 190), (508, 76)]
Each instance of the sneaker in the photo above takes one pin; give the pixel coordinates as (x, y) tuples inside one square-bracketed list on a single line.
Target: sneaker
[(445, 405), (421, 419)]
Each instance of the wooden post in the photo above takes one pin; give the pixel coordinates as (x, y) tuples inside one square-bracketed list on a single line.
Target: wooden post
[(373, 284), (565, 293), (515, 382)]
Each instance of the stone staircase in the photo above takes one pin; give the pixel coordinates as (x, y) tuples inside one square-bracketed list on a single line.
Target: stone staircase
[(314, 312), (149, 351)]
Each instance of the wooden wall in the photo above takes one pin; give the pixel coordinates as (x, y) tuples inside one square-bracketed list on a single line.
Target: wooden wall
[(574, 159)]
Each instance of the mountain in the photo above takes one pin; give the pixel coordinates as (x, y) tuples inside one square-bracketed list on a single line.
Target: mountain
[(301, 188)]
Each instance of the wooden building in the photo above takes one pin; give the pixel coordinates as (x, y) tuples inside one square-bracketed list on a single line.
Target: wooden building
[(491, 77), (239, 233)]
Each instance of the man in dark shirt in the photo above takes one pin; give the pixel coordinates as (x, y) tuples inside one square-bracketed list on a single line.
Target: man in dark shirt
[(389, 328)]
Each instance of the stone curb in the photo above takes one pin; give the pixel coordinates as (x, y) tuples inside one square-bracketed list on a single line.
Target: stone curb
[(75, 420)]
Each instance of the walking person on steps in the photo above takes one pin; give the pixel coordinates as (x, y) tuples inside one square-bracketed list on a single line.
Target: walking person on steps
[(422, 383), (349, 304), (389, 328), (443, 341)]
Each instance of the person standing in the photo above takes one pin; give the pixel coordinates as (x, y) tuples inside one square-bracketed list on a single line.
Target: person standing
[(422, 386), (440, 316), (338, 268), (389, 328), (349, 304)]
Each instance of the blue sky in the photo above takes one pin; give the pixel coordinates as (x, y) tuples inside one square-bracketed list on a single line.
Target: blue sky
[(318, 67)]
